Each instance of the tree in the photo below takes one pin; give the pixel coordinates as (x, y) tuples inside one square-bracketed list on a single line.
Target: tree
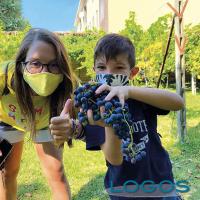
[(158, 31), (81, 49), (133, 31), (150, 62), (192, 54), (10, 15)]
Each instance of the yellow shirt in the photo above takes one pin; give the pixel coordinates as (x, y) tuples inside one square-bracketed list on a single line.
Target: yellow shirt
[(9, 109)]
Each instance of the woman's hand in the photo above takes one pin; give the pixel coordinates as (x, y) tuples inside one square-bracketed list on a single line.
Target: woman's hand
[(61, 126)]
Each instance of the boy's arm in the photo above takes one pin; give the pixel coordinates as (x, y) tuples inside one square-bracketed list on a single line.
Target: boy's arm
[(156, 97), (112, 147)]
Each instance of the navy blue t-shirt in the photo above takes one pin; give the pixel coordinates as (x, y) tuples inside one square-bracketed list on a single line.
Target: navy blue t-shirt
[(155, 166)]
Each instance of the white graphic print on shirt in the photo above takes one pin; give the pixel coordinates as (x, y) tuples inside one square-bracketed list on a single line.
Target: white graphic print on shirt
[(137, 151)]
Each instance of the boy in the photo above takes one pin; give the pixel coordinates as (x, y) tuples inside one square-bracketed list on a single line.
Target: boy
[(115, 54)]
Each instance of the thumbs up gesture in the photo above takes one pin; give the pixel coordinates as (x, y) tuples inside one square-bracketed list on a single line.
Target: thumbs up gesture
[(61, 126)]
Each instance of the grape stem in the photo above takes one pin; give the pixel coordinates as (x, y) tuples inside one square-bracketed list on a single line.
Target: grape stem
[(131, 134), (92, 101)]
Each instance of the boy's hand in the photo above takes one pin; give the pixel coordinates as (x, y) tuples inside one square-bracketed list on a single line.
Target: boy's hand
[(122, 92), (61, 126)]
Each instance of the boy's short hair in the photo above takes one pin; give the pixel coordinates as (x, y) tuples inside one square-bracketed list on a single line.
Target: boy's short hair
[(112, 45)]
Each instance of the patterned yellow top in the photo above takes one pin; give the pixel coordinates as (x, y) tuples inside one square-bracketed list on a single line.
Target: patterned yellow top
[(9, 109)]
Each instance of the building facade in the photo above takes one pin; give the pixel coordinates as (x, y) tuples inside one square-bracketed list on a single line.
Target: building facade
[(108, 15)]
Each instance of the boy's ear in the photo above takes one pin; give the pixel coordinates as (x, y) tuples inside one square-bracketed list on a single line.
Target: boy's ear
[(134, 71)]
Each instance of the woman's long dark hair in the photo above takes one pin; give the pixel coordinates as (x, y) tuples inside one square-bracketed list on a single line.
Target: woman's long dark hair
[(22, 89)]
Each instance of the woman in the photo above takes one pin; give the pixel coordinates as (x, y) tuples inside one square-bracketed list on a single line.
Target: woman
[(32, 90)]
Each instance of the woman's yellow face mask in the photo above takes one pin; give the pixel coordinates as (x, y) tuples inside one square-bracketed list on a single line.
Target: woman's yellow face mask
[(43, 84)]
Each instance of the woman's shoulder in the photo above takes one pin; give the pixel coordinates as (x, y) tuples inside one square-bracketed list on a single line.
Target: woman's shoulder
[(6, 73), (6, 67)]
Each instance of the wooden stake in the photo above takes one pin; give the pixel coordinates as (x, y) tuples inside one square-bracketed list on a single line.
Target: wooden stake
[(180, 69), (166, 51)]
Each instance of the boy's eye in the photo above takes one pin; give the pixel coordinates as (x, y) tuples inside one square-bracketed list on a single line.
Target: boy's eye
[(120, 67)]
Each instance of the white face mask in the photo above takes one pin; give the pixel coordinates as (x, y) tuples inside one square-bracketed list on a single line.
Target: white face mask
[(112, 79)]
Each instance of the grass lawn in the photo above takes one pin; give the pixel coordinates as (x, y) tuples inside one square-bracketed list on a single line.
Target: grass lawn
[(85, 170)]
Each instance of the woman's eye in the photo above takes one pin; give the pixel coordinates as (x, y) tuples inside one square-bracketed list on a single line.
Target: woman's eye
[(35, 64), (54, 65)]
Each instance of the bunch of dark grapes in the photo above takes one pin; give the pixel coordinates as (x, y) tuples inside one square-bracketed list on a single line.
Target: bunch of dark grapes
[(115, 115)]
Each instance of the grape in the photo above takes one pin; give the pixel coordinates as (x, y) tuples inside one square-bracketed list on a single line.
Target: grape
[(108, 105), (82, 119), (116, 126), (100, 103), (138, 157), (76, 104), (83, 99), (127, 158), (97, 117), (88, 94), (85, 106), (81, 114), (86, 86), (143, 153), (94, 106), (125, 150), (118, 110), (79, 96), (93, 88), (80, 89), (107, 121), (119, 116), (117, 104)]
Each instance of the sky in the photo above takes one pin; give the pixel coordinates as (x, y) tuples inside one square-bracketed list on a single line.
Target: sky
[(54, 15)]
